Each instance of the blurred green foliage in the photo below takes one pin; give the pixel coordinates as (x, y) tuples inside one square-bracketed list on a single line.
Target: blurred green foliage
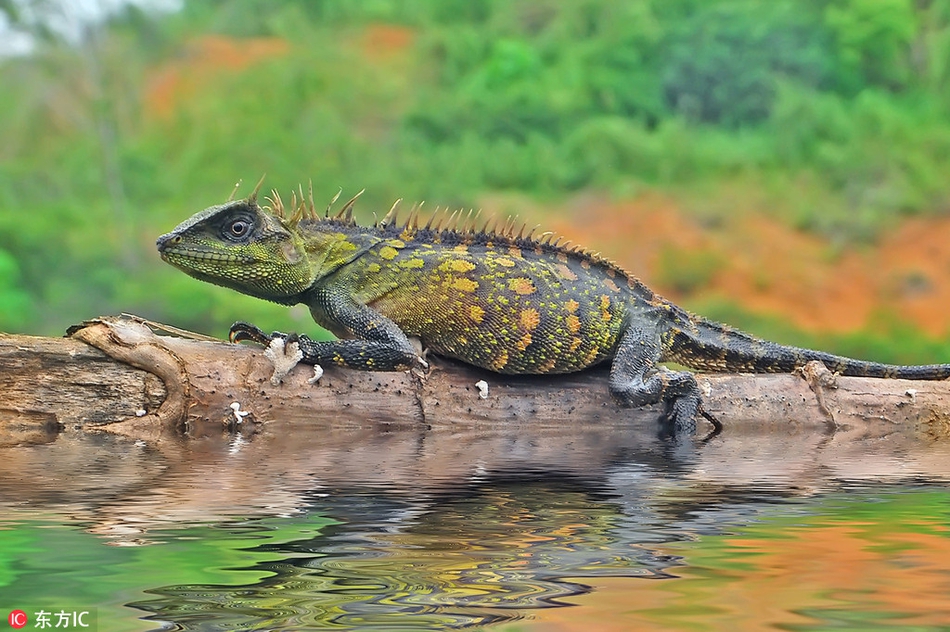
[(890, 340), (537, 96), (685, 271)]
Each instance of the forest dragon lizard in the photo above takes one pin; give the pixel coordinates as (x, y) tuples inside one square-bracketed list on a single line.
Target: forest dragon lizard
[(496, 298)]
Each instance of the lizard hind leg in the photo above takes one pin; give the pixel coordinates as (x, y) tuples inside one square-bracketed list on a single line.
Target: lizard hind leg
[(635, 380)]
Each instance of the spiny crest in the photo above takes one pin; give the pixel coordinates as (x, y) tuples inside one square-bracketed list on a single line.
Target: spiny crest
[(303, 207), (463, 226), (237, 185), (448, 226), (459, 226), (345, 214), (252, 198)]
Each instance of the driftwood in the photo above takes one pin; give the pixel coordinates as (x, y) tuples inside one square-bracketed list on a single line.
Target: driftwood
[(139, 435), (118, 375)]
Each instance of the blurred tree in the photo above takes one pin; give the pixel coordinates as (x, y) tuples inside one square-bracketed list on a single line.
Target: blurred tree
[(16, 305), (724, 58), (874, 40), (541, 97)]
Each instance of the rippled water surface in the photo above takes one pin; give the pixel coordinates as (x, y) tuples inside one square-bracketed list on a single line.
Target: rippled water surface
[(524, 529)]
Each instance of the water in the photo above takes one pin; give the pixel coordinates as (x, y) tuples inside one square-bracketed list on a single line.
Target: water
[(515, 530)]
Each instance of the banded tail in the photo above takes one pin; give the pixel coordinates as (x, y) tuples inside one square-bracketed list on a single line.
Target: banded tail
[(709, 346)]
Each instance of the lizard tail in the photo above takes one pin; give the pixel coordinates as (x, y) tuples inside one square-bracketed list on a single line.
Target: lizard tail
[(709, 346)]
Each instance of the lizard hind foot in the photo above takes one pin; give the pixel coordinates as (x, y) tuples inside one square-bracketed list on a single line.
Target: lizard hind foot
[(420, 369), (681, 413)]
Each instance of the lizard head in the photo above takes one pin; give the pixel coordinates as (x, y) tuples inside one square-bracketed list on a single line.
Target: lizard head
[(242, 247)]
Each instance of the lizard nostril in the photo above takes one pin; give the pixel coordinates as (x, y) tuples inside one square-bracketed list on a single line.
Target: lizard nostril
[(167, 240)]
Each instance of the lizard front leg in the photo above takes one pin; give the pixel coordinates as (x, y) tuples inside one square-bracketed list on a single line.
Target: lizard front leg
[(374, 343), (354, 354), (635, 380)]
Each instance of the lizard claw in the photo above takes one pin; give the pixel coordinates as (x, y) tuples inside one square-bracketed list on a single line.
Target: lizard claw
[(420, 369), (241, 331), (717, 425)]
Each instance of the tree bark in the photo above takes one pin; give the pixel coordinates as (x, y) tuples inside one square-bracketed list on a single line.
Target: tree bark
[(118, 375)]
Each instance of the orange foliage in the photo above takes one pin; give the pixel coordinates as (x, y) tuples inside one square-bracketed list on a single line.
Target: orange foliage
[(175, 81), (770, 268), (381, 40)]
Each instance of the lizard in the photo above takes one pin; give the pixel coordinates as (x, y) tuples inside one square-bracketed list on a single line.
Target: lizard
[(493, 297)]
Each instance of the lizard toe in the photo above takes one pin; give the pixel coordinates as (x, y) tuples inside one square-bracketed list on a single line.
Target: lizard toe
[(241, 331), (681, 413)]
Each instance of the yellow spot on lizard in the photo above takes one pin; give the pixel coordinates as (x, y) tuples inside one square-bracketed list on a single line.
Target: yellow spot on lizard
[(573, 323), (522, 285), (415, 262), (499, 361), (464, 284), (522, 344), (458, 265), (530, 318)]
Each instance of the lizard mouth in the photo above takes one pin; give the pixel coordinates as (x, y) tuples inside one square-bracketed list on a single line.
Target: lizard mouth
[(195, 254), (171, 249)]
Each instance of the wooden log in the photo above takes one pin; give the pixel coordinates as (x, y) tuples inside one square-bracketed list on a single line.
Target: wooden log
[(118, 375)]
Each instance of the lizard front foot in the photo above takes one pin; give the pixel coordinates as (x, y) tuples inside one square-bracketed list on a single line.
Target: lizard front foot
[(284, 353), (283, 350)]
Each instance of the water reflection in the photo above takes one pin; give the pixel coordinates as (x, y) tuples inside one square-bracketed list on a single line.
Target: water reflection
[(455, 560), (416, 529)]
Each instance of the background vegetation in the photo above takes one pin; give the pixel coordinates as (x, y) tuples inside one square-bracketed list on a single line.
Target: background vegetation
[(831, 117)]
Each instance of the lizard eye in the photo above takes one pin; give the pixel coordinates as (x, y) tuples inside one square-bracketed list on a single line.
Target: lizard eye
[(238, 229)]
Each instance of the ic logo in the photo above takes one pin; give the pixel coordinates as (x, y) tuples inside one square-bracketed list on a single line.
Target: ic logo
[(17, 619)]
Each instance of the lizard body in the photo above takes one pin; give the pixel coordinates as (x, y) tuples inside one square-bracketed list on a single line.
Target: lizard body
[(507, 302)]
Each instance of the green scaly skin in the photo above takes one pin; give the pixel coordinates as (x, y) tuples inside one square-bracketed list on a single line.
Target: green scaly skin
[(508, 303)]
